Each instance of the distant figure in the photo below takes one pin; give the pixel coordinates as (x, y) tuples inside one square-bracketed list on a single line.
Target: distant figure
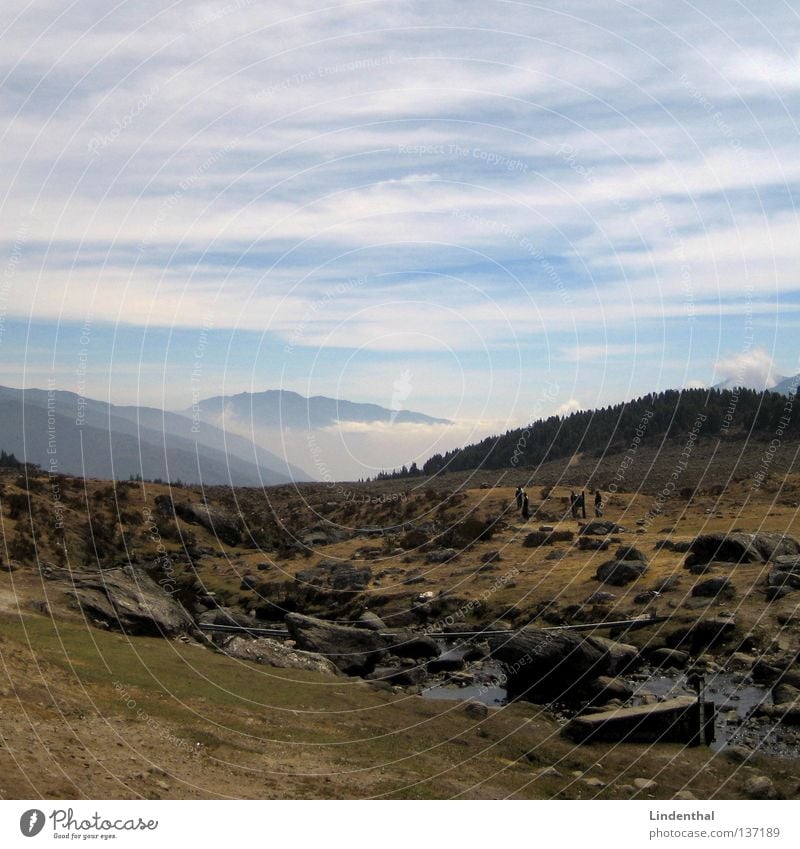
[(598, 504), (573, 504), (526, 513), (582, 503), (518, 495)]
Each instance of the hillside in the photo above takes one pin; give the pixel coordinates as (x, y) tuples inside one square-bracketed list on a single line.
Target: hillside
[(690, 417)]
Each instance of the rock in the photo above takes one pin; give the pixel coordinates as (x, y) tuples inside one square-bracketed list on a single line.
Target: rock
[(714, 587), (607, 688), (644, 783), (738, 754), (127, 600), (540, 537), (785, 694), (760, 787), (628, 552), (274, 653), (401, 676), (476, 710), (441, 555), (600, 597), (589, 544), (646, 597), (620, 657), (677, 545), (685, 796), (704, 633), (671, 721), (336, 575), (667, 584), (225, 616), (543, 666), (601, 528), (555, 554), (620, 572), (355, 651), (491, 557), (664, 658), (785, 573), (370, 620), (9, 565), (412, 645), (221, 524), (738, 547)]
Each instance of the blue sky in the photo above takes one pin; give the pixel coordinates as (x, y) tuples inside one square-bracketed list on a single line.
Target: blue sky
[(496, 197)]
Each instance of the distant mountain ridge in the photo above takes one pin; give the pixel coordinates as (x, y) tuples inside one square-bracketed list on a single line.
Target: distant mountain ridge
[(782, 385), (66, 433), (282, 408)]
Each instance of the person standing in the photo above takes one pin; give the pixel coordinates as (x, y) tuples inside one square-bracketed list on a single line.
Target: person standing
[(526, 514), (598, 504), (518, 496)]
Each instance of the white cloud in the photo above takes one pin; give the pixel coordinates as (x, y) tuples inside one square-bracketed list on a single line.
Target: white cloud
[(753, 369)]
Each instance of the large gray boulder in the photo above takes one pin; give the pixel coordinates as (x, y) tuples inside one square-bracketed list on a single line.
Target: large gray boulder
[(546, 666), (274, 653), (617, 573), (355, 651), (337, 575), (738, 547), (128, 600)]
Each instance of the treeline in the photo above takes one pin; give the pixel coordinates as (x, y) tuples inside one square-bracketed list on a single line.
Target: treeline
[(666, 415)]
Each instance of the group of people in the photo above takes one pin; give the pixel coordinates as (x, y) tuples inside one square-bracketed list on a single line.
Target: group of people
[(577, 503)]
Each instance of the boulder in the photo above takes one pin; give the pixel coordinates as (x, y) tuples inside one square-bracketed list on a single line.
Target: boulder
[(785, 573), (739, 547), (274, 653), (545, 666), (476, 710), (412, 645), (618, 573), (760, 787), (620, 657), (667, 584), (601, 529), (224, 526), (128, 600), (441, 555), (714, 587), (402, 676), (370, 620), (664, 658), (599, 597), (629, 552), (702, 634), (604, 688), (589, 544), (671, 721), (355, 651)]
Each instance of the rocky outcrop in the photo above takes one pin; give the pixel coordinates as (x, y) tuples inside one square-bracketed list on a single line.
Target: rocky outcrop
[(618, 573), (336, 575), (601, 528), (355, 651), (225, 527), (545, 666), (738, 547), (127, 600), (274, 653)]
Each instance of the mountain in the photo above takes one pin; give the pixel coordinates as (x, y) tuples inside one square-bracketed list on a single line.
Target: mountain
[(67, 433), (281, 409), (778, 383)]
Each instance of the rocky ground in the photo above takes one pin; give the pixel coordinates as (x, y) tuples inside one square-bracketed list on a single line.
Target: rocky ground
[(107, 590)]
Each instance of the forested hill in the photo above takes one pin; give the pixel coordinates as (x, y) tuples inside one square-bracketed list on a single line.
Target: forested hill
[(693, 413)]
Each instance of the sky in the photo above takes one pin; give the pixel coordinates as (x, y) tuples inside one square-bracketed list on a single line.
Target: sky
[(513, 208)]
